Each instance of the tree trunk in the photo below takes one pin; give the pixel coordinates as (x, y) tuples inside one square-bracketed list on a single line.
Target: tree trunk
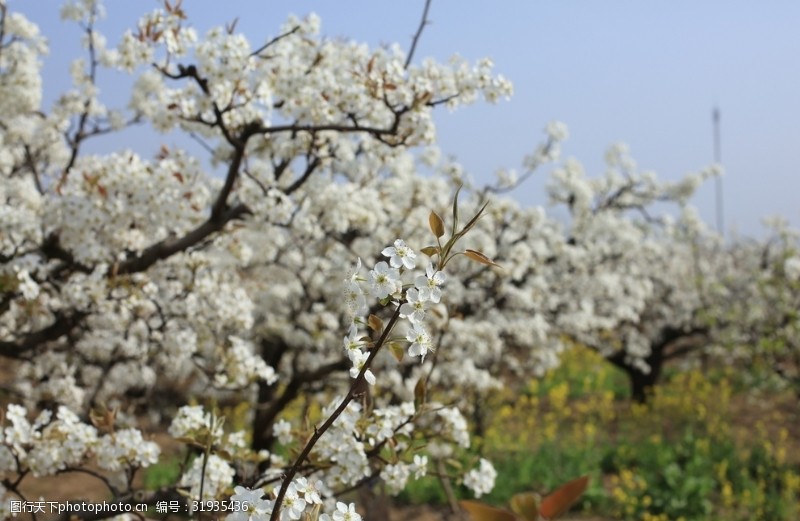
[(375, 502), (672, 343), (641, 383)]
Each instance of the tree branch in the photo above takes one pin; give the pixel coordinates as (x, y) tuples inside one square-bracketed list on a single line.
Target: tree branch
[(266, 417), (318, 433), (168, 247), (261, 49), (310, 167), (63, 324), (417, 35), (690, 341), (80, 133)]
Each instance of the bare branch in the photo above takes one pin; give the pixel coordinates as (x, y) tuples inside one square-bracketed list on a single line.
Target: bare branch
[(63, 324), (230, 179), (417, 35), (185, 72), (200, 141), (168, 247), (261, 49), (80, 133), (375, 131), (266, 414), (310, 167)]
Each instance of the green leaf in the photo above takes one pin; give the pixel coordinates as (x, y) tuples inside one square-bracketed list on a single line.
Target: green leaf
[(455, 210), (430, 251), (474, 220), (454, 464), (420, 393)]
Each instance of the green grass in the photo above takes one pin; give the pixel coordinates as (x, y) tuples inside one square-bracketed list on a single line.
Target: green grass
[(690, 455), (162, 474)]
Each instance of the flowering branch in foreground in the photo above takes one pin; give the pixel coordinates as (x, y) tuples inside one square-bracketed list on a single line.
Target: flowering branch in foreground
[(385, 284)]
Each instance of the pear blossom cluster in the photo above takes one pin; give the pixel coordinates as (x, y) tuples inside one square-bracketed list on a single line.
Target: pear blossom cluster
[(126, 448), (55, 443), (194, 421), (481, 480), (207, 478), (346, 447), (385, 282)]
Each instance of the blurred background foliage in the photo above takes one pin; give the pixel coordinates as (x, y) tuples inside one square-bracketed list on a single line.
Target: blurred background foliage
[(710, 444)]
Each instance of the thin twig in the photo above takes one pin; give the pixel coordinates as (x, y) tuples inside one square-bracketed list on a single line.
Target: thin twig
[(448, 489), (421, 27), (80, 135), (200, 141), (318, 433), (279, 37)]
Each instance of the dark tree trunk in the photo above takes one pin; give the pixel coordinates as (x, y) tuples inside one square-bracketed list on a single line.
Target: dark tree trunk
[(641, 383), (672, 343), (272, 352), (375, 502), (273, 399)]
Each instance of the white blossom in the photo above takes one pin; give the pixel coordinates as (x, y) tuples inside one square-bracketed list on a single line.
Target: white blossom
[(481, 480)]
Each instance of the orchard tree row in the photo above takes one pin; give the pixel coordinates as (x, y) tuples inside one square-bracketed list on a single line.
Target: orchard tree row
[(357, 307)]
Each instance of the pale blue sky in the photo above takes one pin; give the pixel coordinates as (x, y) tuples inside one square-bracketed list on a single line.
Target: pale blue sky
[(647, 73)]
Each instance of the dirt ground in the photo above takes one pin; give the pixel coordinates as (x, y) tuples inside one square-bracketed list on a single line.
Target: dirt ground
[(76, 487), (427, 513)]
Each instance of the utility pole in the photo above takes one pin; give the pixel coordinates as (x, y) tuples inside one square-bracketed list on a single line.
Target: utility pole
[(718, 161)]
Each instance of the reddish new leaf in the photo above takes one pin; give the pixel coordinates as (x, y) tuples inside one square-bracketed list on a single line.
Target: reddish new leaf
[(526, 505), (480, 257), (436, 223), (375, 323), (430, 251), (480, 512), (557, 503)]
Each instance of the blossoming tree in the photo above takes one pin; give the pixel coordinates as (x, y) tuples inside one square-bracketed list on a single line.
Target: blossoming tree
[(353, 305), (758, 328), (131, 286), (620, 275)]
